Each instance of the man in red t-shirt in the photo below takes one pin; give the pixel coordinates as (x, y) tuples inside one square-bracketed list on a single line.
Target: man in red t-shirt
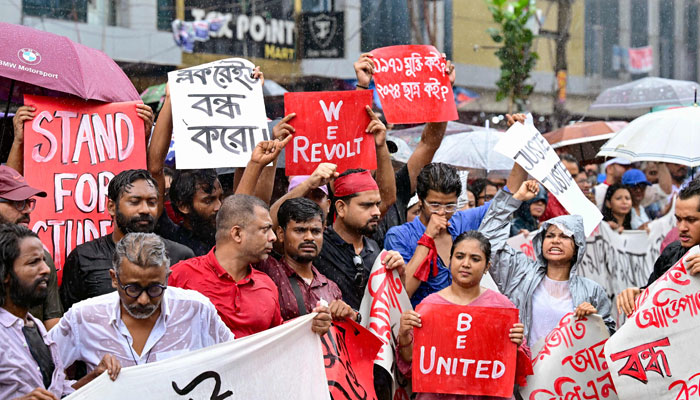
[(246, 299)]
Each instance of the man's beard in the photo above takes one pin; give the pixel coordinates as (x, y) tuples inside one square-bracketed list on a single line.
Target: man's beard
[(24, 218), (127, 225), (368, 230), (203, 228), (141, 312), (304, 258), (27, 296)]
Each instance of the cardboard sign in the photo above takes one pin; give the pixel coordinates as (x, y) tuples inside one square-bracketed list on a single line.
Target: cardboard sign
[(615, 260), (526, 146), (218, 114), (72, 150), (330, 127), (285, 359), (348, 351), (412, 84), (654, 354), (384, 301), (464, 350), (571, 363)]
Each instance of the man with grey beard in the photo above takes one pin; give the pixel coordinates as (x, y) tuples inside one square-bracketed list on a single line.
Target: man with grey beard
[(144, 320)]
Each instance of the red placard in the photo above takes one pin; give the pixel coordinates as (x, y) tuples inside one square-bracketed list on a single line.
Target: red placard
[(464, 350), (348, 354), (330, 127), (412, 84), (72, 150)]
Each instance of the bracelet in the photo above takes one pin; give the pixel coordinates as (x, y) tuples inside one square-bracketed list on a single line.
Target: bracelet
[(362, 87)]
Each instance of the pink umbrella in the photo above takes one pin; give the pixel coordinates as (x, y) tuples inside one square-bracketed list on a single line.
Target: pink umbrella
[(35, 58)]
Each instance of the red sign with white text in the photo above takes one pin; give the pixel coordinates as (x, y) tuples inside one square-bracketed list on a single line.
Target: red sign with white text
[(330, 127), (464, 350), (72, 150), (412, 84), (348, 356)]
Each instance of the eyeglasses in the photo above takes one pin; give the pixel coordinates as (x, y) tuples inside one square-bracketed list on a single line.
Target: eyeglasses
[(436, 207), (487, 197), (359, 272), (134, 290), (21, 205)]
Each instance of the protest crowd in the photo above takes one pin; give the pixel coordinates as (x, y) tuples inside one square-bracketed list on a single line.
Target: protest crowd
[(197, 256)]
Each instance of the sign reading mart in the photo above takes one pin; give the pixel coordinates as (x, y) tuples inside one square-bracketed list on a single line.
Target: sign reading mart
[(21, 67)]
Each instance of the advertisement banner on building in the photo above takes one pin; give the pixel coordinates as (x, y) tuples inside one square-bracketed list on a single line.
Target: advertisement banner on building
[(323, 35)]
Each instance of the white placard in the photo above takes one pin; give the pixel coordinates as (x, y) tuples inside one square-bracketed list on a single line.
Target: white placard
[(218, 114), (654, 355), (261, 366), (570, 363), (526, 146)]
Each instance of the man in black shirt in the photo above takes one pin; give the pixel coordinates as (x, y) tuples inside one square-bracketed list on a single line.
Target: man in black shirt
[(133, 204), (688, 223)]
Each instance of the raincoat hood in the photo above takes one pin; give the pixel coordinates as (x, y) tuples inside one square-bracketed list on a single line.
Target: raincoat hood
[(570, 225)]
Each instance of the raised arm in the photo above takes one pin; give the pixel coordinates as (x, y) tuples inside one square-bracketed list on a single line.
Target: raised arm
[(665, 181), (266, 181), (15, 159), (263, 154), (508, 265), (160, 144), (385, 177)]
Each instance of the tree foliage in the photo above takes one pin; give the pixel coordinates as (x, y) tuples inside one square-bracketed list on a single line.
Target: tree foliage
[(515, 51)]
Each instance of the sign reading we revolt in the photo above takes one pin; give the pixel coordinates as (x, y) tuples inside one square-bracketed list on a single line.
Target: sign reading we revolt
[(526, 146), (571, 363), (218, 114), (72, 150), (412, 84), (654, 354), (464, 350), (330, 127)]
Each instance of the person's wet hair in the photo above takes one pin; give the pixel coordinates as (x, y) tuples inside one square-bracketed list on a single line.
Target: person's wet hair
[(185, 184), (438, 177), (299, 210), (125, 180), (484, 243), (693, 189), (10, 237)]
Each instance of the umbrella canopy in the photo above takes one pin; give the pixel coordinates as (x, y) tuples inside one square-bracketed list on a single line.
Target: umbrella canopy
[(153, 94), (583, 139), (473, 151), (668, 136), (646, 93), (56, 63)]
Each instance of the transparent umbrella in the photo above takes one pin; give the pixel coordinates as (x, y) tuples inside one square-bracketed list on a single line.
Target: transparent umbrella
[(647, 93)]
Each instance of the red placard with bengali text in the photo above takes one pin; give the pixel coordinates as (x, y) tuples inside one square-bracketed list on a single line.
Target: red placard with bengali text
[(330, 127), (72, 150), (349, 350), (464, 350), (412, 84)]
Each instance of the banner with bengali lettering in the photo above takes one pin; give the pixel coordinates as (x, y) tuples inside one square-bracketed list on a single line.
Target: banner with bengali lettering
[(525, 145), (283, 362), (218, 114), (570, 363), (412, 84), (384, 301), (72, 150), (654, 355), (615, 260)]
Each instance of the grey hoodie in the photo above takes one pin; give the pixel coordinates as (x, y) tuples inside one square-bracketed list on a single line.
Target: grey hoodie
[(517, 276)]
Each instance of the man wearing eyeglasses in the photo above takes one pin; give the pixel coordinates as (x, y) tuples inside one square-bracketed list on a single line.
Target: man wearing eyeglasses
[(17, 201), (144, 320)]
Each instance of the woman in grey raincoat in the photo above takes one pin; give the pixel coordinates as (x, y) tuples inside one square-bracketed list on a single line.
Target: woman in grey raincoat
[(547, 289)]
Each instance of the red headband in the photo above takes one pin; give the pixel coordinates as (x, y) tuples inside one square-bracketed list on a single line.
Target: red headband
[(354, 183)]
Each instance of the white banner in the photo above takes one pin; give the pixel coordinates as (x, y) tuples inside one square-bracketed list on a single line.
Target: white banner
[(655, 354), (615, 261), (526, 146), (282, 362), (218, 114), (384, 301), (571, 363)]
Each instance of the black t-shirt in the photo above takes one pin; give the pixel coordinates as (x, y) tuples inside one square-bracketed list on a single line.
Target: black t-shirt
[(667, 259), (179, 234), (396, 215), (40, 352)]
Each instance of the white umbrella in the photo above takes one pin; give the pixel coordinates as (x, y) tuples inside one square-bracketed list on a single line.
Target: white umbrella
[(670, 136), (473, 151), (647, 93)]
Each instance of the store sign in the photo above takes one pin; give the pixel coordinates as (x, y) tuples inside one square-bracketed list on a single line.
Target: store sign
[(324, 35), (246, 35)]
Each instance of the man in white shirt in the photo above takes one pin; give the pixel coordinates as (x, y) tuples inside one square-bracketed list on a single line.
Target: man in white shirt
[(144, 320)]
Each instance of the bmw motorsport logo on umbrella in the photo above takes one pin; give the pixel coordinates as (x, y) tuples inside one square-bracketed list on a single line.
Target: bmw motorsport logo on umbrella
[(29, 56)]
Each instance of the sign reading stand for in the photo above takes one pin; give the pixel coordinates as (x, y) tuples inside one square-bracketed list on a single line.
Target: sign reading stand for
[(330, 127), (72, 150), (464, 350), (412, 84), (218, 114)]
